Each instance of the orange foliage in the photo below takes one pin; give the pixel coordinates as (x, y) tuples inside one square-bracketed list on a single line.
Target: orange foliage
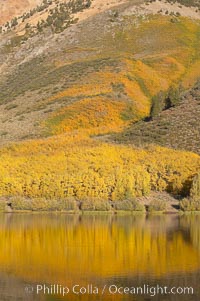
[(99, 115), (83, 90), (150, 78)]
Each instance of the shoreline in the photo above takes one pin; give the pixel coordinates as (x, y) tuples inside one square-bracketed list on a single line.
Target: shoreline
[(109, 213), (91, 206)]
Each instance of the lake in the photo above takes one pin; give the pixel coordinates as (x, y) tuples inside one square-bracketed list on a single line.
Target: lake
[(99, 257)]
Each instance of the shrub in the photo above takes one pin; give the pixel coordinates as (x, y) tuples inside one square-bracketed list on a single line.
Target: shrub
[(173, 98), (40, 204), (2, 206), (19, 203), (68, 204), (190, 205), (157, 205), (44, 205), (102, 205), (165, 100), (128, 205), (195, 189), (95, 204), (158, 104)]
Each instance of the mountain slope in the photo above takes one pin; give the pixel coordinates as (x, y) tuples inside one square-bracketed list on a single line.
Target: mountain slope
[(90, 70), (12, 8), (177, 127), (41, 77)]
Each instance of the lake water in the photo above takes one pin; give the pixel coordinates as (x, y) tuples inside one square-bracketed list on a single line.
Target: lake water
[(89, 257)]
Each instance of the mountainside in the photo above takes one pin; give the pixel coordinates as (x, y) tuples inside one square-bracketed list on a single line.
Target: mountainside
[(177, 127), (119, 70), (75, 72), (12, 8)]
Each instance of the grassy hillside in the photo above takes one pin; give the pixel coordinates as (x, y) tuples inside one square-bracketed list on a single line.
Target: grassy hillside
[(186, 2), (10, 9), (176, 127), (95, 77), (119, 71)]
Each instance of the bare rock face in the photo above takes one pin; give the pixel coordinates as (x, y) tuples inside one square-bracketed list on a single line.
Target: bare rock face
[(13, 8)]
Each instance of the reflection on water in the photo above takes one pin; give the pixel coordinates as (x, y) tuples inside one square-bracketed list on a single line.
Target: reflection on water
[(124, 250)]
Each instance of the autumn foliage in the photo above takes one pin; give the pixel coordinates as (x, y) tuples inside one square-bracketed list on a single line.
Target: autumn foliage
[(70, 166), (75, 161)]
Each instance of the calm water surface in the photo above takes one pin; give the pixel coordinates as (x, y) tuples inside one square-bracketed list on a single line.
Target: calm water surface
[(125, 251)]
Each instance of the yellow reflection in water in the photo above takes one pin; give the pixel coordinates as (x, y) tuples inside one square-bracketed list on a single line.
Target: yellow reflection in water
[(192, 223), (61, 247)]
